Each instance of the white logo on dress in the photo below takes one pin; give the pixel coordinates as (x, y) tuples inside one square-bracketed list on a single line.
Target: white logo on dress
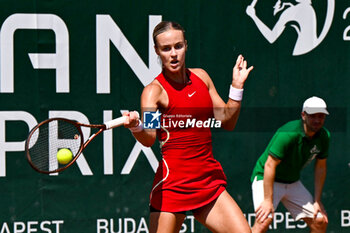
[(190, 95), (302, 18)]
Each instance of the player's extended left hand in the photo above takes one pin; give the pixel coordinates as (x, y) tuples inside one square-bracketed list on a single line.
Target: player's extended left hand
[(240, 72)]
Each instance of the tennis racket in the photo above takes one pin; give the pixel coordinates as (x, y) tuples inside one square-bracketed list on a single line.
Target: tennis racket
[(51, 135)]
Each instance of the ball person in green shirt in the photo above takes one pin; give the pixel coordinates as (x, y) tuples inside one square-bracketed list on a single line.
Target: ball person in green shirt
[(276, 175)]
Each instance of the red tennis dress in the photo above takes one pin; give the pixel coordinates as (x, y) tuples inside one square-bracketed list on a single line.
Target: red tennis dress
[(188, 176)]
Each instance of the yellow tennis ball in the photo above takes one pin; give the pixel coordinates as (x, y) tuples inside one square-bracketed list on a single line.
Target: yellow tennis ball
[(64, 156)]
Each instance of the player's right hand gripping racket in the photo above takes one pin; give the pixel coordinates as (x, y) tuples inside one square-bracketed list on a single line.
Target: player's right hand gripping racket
[(51, 135)]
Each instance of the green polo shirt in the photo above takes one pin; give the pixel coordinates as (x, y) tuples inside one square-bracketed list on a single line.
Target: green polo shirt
[(294, 149)]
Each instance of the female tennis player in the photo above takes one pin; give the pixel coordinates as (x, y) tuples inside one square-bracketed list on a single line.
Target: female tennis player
[(188, 177)]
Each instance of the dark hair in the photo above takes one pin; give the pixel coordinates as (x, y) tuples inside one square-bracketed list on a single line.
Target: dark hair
[(165, 26)]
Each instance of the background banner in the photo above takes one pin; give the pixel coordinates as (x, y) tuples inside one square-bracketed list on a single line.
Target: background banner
[(89, 60)]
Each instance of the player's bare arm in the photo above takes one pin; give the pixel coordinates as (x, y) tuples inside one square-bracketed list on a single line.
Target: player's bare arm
[(228, 112), (320, 177), (219, 105), (152, 98), (266, 206)]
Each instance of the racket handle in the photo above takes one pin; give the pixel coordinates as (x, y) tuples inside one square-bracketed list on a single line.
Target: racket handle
[(115, 122)]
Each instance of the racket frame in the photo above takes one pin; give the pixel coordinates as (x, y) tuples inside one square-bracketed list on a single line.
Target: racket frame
[(83, 144)]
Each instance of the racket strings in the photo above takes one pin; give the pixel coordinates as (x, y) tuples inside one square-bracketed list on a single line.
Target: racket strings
[(50, 137)]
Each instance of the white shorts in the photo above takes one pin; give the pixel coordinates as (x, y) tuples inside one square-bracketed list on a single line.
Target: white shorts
[(295, 197)]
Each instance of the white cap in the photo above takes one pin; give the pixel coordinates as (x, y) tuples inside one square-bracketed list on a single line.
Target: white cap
[(315, 105)]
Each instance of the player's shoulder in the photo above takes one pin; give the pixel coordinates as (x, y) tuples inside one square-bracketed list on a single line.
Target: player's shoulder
[(198, 71), (202, 74), (291, 126), (154, 86), (324, 132), (153, 89), (291, 129)]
